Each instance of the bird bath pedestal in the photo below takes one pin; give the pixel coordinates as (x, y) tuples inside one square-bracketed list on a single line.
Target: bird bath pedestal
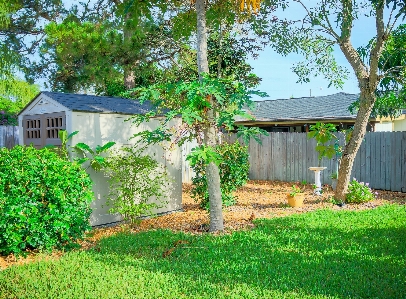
[(317, 180)]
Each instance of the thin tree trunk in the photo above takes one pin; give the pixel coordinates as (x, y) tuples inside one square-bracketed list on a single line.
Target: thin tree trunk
[(129, 77), (212, 170), (368, 80), (367, 100)]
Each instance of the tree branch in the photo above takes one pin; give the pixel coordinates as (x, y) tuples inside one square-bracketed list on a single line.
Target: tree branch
[(377, 49)]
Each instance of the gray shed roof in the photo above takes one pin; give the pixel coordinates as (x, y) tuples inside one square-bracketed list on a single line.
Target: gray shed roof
[(307, 108), (99, 104)]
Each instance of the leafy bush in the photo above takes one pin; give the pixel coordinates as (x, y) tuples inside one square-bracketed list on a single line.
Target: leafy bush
[(8, 119), (135, 179), (234, 168), (359, 192), (44, 200)]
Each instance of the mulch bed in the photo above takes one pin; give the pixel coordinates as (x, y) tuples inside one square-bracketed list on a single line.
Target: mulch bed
[(257, 199)]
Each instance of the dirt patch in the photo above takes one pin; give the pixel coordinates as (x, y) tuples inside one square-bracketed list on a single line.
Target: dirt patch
[(257, 199)]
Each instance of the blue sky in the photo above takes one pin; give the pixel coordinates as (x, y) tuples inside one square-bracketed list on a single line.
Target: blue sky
[(278, 80)]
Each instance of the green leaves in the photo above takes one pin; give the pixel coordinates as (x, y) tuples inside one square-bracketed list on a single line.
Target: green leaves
[(44, 200), (251, 132), (227, 99), (233, 164), (96, 158), (323, 133), (135, 178), (205, 155)]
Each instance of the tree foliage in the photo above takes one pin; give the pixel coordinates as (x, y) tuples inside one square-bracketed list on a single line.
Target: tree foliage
[(234, 168), (22, 30), (15, 94), (391, 93)]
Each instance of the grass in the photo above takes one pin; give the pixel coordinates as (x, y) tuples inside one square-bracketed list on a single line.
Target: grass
[(323, 254)]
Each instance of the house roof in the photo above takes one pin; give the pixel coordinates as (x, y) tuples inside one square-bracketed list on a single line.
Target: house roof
[(307, 108), (99, 104)]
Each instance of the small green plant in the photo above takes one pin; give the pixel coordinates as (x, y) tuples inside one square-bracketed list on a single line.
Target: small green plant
[(295, 190), (234, 167), (323, 133), (135, 180), (95, 157), (44, 200), (359, 192), (304, 183), (334, 175), (65, 137)]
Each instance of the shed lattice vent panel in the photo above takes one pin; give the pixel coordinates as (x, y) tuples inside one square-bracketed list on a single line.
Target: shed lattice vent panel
[(33, 128), (43, 129), (54, 125)]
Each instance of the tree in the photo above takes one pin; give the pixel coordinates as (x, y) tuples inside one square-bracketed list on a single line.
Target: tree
[(210, 133), (331, 23), (21, 30), (15, 94), (211, 102), (391, 93), (110, 47)]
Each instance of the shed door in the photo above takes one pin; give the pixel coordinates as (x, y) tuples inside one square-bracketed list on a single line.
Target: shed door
[(43, 129)]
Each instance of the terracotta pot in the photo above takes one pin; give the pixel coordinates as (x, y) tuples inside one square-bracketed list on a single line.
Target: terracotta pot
[(296, 201)]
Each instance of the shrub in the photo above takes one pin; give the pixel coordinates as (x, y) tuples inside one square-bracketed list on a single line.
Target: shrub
[(8, 119), (44, 200), (134, 180), (359, 192), (234, 170)]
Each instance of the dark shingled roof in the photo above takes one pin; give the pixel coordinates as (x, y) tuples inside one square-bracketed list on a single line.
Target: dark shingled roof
[(308, 108), (99, 104)]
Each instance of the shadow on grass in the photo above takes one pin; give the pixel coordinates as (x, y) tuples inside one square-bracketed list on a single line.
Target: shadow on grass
[(339, 254)]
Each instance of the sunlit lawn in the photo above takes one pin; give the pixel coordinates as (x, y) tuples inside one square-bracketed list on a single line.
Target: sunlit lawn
[(323, 254)]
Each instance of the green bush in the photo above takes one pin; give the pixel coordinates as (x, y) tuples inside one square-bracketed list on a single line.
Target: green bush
[(234, 170), (359, 192), (135, 179), (44, 200), (8, 119)]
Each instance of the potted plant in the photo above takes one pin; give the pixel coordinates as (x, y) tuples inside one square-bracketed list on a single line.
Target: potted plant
[(334, 179), (295, 197)]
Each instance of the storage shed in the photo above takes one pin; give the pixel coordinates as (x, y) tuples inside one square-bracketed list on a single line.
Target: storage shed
[(98, 120)]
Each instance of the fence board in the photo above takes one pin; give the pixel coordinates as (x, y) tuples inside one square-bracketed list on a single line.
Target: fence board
[(387, 160), (368, 158), (9, 136), (377, 160), (381, 160)]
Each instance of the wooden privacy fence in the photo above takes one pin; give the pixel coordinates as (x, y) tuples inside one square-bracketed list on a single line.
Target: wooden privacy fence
[(8, 136), (380, 161)]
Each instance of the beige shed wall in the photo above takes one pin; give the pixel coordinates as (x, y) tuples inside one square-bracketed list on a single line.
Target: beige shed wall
[(98, 129), (399, 125)]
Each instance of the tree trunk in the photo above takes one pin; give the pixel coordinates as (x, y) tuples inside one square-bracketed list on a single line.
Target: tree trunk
[(368, 80), (212, 170), (367, 101), (129, 77)]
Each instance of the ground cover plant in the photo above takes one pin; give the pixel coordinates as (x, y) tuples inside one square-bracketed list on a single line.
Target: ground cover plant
[(321, 254)]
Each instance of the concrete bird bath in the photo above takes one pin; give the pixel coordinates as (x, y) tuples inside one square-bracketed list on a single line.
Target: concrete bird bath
[(317, 179)]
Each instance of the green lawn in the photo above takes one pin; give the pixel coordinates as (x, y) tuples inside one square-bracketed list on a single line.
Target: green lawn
[(323, 254)]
